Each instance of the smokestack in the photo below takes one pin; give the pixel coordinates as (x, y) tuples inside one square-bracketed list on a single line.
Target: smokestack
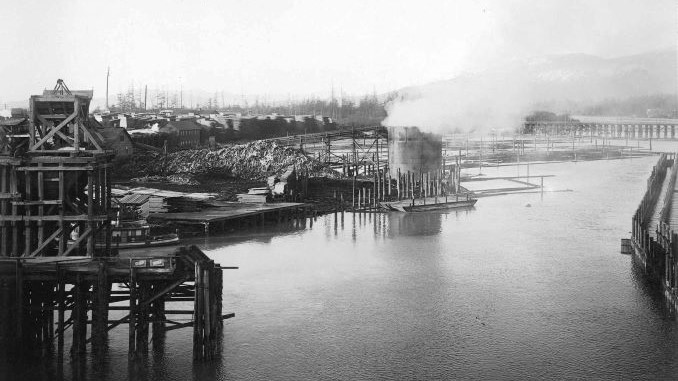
[(409, 149)]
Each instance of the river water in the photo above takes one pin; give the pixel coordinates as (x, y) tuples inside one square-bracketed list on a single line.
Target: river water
[(523, 286)]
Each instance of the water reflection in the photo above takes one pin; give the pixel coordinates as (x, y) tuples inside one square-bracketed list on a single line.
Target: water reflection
[(651, 292), (499, 291), (414, 224), (265, 234)]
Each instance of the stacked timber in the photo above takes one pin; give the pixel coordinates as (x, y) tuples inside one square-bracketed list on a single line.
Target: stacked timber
[(157, 205), (163, 201), (184, 204), (255, 195)]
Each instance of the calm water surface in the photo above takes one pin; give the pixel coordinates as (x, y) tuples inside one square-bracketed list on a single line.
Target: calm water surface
[(521, 286)]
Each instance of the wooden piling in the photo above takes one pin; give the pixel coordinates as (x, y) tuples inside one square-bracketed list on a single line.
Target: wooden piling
[(198, 313), (79, 318), (132, 342), (100, 306)]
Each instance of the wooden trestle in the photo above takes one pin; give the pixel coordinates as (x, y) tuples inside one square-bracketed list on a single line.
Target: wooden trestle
[(654, 238), (55, 201), (43, 297)]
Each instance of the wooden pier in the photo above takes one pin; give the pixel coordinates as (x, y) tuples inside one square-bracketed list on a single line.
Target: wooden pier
[(654, 238), (236, 215), (43, 299), (55, 202)]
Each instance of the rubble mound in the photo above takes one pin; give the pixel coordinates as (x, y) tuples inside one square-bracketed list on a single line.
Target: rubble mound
[(252, 161), (180, 179)]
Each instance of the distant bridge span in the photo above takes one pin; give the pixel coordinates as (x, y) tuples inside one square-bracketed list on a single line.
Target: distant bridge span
[(611, 127), (327, 136)]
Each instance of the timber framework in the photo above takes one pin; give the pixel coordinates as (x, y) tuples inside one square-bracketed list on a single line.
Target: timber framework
[(55, 181), (55, 205)]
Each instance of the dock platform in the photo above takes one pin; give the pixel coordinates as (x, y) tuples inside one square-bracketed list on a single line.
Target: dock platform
[(654, 238), (217, 219), (34, 292)]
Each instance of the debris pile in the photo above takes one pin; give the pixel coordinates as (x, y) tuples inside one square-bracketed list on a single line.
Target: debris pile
[(180, 179), (252, 161)]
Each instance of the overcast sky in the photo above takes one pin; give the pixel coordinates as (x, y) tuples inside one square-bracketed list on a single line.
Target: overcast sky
[(279, 47)]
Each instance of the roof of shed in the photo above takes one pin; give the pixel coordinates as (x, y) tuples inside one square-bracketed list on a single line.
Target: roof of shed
[(134, 199)]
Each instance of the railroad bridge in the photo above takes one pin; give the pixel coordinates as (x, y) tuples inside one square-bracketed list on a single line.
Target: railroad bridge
[(607, 127)]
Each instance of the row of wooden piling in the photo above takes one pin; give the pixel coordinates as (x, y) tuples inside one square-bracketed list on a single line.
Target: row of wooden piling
[(35, 300), (657, 251), (406, 185)]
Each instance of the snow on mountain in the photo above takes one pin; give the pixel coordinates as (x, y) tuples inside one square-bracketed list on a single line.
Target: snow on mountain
[(499, 97)]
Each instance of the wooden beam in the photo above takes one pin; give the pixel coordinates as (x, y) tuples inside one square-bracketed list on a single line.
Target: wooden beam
[(80, 217), (86, 132), (190, 323), (53, 131), (162, 292), (62, 242), (63, 159), (46, 242), (90, 211), (6, 160), (77, 242), (53, 169), (53, 116), (67, 152), (32, 203)]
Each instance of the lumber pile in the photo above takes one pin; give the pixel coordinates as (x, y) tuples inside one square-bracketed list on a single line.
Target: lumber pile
[(255, 195)]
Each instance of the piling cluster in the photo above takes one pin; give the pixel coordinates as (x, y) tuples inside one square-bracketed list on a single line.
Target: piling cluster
[(654, 237), (43, 299)]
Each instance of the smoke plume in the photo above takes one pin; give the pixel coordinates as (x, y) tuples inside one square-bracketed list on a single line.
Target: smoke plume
[(499, 99), (465, 104)]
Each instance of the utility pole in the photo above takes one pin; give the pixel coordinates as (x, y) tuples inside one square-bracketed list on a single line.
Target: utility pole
[(145, 97), (108, 73)]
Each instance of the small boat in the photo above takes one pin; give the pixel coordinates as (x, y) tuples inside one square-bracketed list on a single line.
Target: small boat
[(127, 235), (131, 234), (429, 204), (130, 229)]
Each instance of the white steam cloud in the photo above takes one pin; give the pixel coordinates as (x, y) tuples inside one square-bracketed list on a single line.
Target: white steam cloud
[(499, 99), (467, 104)]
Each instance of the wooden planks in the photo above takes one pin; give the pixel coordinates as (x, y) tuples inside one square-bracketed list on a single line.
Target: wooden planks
[(227, 213)]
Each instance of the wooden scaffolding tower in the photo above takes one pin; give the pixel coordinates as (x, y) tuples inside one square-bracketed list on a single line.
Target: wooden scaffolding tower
[(55, 201), (55, 181)]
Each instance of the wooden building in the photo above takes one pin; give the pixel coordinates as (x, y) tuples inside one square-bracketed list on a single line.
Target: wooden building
[(188, 132), (118, 140)]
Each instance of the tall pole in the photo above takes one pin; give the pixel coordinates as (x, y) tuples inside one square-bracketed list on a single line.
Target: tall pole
[(145, 97), (108, 73)]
